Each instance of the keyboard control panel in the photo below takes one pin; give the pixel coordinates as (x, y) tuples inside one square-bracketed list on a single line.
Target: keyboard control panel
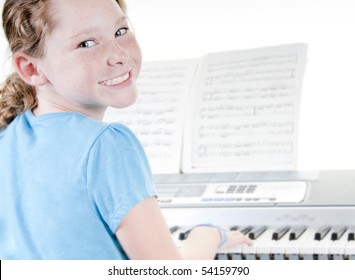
[(232, 193)]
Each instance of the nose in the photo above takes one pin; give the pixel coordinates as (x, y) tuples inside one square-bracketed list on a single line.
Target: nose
[(117, 54)]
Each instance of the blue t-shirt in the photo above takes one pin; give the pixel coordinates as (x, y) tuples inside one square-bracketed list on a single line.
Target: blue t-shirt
[(66, 183)]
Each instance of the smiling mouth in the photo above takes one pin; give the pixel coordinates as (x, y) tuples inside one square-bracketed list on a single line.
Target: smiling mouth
[(115, 81)]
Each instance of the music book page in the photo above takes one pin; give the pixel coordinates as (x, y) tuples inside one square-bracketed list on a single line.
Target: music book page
[(158, 115), (245, 110)]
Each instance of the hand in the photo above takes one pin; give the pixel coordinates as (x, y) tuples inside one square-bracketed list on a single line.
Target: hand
[(227, 238), (236, 238)]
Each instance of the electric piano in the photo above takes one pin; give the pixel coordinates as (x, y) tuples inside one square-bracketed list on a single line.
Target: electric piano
[(290, 215)]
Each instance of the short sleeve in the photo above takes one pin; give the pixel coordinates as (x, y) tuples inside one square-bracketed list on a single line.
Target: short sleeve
[(118, 174)]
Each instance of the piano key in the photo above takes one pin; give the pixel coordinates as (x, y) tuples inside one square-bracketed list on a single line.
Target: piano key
[(176, 235), (349, 251), (337, 232), (322, 257), (279, 257), (259, 244), (236, 256), (243, 230), (351, 234), (264, 257), (293, 247), (296, 232), (236, 253), (256, 232), (250, 257), (222, 256), (173, 229), (293, 257), (306, 248), (264, 243), (184, 234), (280, 232), (278, 247), (321, 247), (321, 233), (337, 247)]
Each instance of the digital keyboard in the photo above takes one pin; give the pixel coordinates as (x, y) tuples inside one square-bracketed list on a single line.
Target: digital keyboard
[(289, 215)]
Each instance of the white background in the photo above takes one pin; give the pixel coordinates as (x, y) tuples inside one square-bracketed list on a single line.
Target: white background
[(177, 29)]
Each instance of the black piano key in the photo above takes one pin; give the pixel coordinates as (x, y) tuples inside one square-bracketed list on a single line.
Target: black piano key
[(173, 229), (184, 235), (280, 232), (235, 228), (321, 233), (256, 232), (243, 230), (297, 232), (351, 234), (337, 232)]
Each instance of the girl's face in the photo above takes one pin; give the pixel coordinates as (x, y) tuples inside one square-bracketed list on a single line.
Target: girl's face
[(91, 59)]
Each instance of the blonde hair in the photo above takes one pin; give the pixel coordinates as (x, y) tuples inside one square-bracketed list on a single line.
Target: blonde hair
[(26, 24)]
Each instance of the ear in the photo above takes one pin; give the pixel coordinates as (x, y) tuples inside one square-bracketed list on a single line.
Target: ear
[(27, 68)]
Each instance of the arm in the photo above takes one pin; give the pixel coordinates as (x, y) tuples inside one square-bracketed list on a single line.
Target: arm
[(144, 234)]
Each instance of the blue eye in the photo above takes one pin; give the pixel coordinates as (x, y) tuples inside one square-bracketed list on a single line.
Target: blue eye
[(122, 31), (87, 44)]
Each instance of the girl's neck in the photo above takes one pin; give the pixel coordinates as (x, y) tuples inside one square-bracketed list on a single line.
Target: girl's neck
[(46, 105)]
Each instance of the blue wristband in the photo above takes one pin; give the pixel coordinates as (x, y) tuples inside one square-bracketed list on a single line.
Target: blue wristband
[(222, 232)]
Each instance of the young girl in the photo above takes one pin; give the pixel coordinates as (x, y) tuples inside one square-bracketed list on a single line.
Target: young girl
[(73, 187)]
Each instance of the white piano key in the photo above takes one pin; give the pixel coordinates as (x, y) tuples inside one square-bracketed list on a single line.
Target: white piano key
[(279, 246), (321, 247), (263, 239), (293, 247), (350, 248), (307, 246), (263, 247), (337, 247)]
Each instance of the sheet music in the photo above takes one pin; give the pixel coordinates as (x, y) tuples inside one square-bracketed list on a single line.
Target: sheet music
[(157, 116), (245, 112)]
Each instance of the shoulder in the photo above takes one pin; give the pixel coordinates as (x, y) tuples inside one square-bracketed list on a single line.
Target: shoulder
[(116, 142), (118, 135)]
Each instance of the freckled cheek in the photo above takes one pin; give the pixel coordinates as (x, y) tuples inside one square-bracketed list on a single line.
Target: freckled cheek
[(86, 69)]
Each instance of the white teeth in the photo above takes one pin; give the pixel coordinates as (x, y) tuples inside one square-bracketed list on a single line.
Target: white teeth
[(115, 81)]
